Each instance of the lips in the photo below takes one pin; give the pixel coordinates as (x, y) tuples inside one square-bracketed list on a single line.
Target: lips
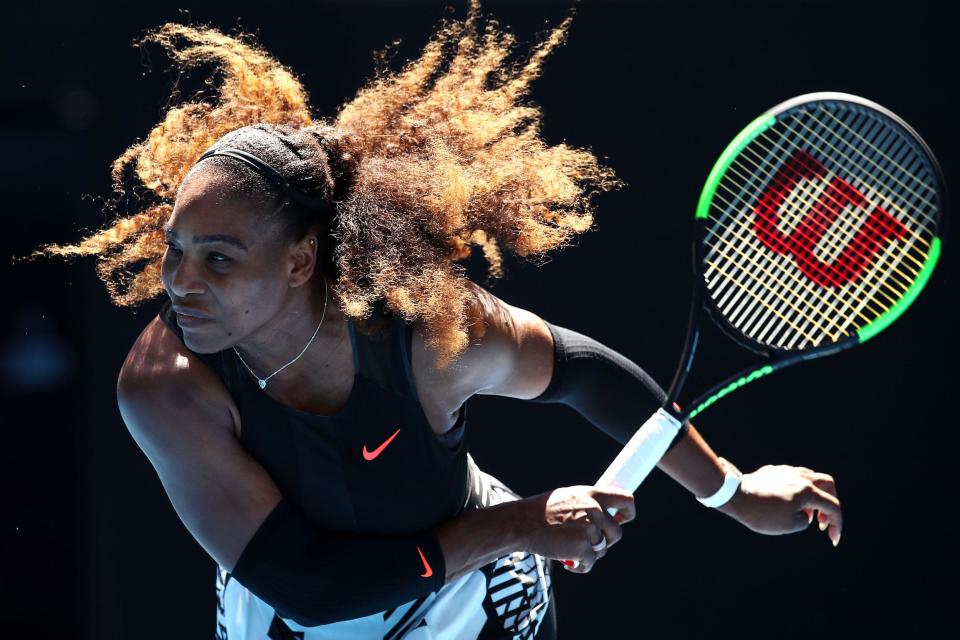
[(192, 313), (190, 321), (189, 317)]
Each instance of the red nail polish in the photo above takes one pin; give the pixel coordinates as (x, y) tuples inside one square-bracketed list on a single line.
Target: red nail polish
[(569, 563)]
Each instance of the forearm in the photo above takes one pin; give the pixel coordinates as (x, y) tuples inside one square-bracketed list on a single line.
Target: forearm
[(313, 576), (617, 396), (480, 536), (694, 465)]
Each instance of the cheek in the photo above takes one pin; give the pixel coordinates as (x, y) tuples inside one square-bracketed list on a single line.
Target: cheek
[(250, 303), (243, 297), (165, 271)]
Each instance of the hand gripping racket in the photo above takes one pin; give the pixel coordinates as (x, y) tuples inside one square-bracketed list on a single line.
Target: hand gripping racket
[(817, 227)]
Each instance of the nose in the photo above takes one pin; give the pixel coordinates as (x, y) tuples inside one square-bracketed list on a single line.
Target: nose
[(183, 278)]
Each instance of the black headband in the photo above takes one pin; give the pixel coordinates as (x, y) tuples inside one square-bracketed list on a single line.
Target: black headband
[(271, 174)]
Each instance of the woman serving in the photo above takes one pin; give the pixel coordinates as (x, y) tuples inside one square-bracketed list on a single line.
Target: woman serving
[(302, 392)]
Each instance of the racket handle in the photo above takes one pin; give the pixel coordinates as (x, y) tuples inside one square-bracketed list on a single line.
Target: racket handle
[(641, 454)]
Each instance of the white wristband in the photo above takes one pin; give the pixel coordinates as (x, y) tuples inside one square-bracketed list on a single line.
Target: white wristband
[(731, 482)]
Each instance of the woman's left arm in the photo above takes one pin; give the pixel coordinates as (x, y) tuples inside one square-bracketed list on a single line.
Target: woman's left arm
[(774, 499), (517, 354)]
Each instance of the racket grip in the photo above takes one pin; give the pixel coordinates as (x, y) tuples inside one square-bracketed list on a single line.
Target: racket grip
[(641, 454)]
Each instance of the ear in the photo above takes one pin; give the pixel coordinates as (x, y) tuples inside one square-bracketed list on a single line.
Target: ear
[(303, 256)]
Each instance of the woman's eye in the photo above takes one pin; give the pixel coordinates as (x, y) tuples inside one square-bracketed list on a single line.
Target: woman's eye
[(214, 257)]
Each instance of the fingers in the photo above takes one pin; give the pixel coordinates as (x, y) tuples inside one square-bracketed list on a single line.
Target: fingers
[(825, 482), (608, 528), (576, 566), (822, 521), (828, 507), (585, 563), (602, 528), (594, 544), (827, 485), (619, 499)]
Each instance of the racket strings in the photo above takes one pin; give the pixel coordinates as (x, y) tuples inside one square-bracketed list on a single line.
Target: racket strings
[(754, 318), (889, 201), (837, 244), (903, 148), (893, 203), (792, 271), (790, 268), (810, 196), (885, 225), (862, 256), (903, 170), (906, 217), (840, 206), (771, 308), (777, 309)]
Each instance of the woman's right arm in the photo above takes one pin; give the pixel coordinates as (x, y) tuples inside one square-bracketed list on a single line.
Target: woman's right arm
[(232, 507), (219, 491)]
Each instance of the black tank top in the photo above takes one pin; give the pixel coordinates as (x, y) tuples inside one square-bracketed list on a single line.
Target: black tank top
[(417, 479)]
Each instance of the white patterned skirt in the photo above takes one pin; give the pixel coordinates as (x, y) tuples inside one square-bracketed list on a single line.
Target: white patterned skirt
[(508, 599)]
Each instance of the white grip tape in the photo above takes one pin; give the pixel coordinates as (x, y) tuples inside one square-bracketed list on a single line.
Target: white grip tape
[(639, 456)]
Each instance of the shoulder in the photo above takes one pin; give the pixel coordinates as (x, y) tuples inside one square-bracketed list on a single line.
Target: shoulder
[(509, 353), (161, 376)]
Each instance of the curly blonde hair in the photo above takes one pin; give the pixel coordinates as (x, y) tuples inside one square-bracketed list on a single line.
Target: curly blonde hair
[(421, 166)]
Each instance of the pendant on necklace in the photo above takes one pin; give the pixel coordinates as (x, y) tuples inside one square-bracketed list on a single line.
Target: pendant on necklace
[(263, 383)]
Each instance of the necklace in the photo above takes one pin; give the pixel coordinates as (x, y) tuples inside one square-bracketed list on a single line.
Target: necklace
[(263, 382)]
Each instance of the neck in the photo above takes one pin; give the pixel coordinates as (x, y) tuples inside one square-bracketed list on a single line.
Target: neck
[(279, 342)]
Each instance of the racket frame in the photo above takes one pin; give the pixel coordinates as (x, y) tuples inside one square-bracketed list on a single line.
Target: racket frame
[(779, 359)]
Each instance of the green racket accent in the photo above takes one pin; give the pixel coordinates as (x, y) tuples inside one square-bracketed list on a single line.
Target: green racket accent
[(733, 386), (743, 138), (784, 280), (909, 296)]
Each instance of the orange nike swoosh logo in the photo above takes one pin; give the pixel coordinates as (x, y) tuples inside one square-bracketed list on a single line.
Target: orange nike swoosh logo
[(426, 564), (370, 455)]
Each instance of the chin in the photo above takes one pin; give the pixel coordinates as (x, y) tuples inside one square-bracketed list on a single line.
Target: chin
[(202, 344)]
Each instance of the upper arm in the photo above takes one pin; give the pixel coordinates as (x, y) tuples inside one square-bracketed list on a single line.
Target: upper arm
[(220, 492), (510, 352)]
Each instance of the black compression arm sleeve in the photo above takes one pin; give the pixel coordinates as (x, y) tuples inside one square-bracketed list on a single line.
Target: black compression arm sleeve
[(317, 577), (606, 388)]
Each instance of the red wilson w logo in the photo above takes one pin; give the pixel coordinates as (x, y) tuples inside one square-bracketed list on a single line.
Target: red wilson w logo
[(858, 251)]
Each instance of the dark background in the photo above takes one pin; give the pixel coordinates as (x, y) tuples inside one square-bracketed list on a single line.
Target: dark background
[(91, 547)]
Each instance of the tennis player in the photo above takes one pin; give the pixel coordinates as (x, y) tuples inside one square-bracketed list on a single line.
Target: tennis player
[(302, 393)]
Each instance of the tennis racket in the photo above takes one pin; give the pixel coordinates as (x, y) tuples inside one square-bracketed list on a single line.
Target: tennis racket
[(817, 227)]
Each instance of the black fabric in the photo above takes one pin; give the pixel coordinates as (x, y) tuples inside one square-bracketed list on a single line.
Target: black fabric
[(605, 387), (315, 577), (342, 513), (317, 462)]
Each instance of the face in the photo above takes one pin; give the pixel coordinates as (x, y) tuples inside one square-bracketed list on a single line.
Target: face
[(224, 264)]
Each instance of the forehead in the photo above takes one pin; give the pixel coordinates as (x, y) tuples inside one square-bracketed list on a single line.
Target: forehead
[(206, 204)]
